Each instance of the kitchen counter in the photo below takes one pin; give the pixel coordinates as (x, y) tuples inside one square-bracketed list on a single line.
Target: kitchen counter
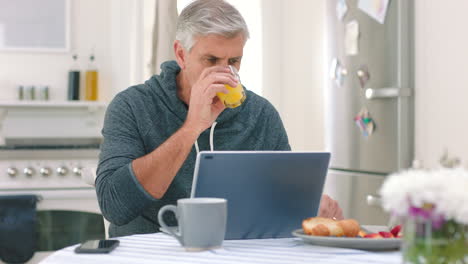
[(161, 248)]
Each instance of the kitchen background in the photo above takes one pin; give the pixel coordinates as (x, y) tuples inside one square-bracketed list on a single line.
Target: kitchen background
[(292, 59), (291, 71)]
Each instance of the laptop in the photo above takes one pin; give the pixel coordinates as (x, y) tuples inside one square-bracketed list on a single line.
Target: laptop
[(269, 193)]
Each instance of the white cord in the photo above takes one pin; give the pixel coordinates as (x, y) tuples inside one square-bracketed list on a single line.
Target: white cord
[(211, 136), (197, 148)]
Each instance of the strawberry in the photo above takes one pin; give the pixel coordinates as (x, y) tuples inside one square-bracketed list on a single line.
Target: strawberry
[(396, 231), (386, 234), (373, 235)]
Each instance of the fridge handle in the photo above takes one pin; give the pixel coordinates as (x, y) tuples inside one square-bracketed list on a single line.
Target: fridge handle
[(383, 93), (374, 200)]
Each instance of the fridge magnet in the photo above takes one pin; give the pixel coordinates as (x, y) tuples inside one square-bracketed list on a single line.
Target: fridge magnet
[(338, 72), (365, 122), (341, 9), (363, 75), (377, 9), (352, 38), (341, 75)]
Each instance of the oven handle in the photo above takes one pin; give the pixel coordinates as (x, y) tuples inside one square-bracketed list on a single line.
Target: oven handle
[(55, 194)]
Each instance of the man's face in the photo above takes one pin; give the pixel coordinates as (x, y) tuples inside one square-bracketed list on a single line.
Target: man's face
[(212, 50)]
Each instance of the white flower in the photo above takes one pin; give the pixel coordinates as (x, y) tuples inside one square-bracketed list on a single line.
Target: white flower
[(446, 189)]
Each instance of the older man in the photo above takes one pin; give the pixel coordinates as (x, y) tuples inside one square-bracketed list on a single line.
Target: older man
[(153, 131)]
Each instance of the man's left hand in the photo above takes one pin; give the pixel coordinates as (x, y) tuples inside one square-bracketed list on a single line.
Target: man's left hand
[(329, 208)]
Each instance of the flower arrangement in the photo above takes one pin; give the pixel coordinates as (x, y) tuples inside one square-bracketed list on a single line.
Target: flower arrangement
[(437, 194), (433, 204)]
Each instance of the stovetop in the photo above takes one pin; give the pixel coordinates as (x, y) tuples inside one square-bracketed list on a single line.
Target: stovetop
[(47, 169)]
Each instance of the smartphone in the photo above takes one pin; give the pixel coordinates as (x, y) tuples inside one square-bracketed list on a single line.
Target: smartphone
[(97, 246)]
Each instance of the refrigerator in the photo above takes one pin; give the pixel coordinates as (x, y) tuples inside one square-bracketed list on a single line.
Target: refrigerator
[(369, 116)]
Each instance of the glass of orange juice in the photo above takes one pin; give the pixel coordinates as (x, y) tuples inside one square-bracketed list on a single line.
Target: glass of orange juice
[(236, 95)]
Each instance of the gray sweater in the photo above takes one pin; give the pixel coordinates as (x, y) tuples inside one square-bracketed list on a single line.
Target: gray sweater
[(140, 119)]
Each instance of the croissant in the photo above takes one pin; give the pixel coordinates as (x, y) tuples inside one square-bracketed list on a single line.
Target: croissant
[(320, 226)]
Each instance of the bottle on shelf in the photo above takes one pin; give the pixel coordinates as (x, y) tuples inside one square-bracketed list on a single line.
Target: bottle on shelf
[(91, 91), (20, 92), (42, 93), (74, 80)]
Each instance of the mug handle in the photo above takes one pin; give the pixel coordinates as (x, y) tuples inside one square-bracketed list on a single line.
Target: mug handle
[(171, 230)]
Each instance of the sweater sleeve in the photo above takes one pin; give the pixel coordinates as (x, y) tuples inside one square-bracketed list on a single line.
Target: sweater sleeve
[(121, 197)]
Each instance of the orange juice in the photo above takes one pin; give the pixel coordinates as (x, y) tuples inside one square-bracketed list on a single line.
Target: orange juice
[(234, 98), (236, 95)]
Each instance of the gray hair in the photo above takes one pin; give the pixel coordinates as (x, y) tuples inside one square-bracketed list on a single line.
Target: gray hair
[(204, 17)]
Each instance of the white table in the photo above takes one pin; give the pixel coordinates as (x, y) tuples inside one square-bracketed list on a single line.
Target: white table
[(161, 248)]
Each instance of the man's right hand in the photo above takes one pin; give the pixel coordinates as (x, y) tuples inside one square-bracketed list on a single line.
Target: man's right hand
[(329, 208), (205, 106)]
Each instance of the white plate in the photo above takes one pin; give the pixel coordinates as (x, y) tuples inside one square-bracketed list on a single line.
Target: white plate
[(350, 242)]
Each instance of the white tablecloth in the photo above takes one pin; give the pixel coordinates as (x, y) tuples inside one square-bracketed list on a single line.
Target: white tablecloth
[(161, 248)]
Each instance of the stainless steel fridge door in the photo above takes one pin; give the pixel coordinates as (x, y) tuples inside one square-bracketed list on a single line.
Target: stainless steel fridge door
[(385, 49), (352, 190)]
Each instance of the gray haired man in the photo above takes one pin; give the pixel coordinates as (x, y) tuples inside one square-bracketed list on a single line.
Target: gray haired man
[(153, 131)]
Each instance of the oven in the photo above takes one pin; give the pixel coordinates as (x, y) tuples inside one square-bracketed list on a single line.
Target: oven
[(67, 210), (50, 150)]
